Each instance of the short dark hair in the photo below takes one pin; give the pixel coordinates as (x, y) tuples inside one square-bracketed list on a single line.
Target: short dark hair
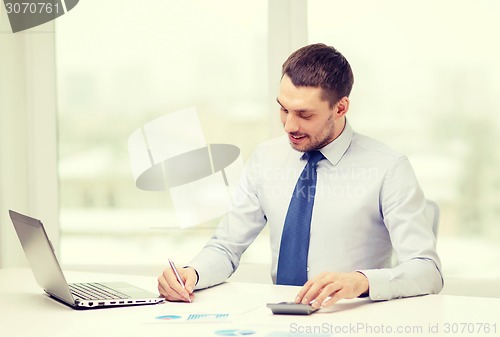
[(319, 65)]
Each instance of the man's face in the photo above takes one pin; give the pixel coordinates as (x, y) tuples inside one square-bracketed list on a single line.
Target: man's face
[(307, 118)]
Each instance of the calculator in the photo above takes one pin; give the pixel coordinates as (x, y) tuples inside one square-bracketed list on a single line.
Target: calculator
[(290, 308)]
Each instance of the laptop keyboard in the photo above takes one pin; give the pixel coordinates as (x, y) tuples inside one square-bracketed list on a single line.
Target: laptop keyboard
[(94, 291)]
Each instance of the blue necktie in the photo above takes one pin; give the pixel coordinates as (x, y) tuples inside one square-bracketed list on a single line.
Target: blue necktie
[(294, 248)]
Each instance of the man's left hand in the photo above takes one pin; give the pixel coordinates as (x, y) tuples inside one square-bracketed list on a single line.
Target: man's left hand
[(336, 286)]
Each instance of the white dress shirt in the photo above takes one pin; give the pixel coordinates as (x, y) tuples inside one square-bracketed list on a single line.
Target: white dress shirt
[(368, 216)]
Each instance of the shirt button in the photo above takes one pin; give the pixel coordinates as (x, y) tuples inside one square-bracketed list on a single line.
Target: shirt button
[(308, 269)]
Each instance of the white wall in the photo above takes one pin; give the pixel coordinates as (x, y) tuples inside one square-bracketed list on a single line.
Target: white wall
[(28, 163)]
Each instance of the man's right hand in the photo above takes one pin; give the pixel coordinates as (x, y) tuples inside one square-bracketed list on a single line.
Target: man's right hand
[(172, 290)]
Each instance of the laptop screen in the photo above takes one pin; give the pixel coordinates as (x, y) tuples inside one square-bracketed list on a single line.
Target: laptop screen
[(41, 256)]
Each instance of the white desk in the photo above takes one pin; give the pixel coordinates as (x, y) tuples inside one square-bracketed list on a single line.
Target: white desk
[(26, 311)]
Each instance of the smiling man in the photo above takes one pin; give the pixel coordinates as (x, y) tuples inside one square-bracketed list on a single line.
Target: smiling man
[(345, 212), (308, 120)]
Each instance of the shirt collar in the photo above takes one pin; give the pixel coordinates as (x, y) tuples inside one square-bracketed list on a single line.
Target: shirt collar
[(336, 149)]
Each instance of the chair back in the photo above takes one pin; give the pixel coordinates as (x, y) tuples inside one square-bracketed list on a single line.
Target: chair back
[(432, 214)]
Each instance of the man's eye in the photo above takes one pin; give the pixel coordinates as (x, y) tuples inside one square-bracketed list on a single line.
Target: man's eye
[(306, 117), (283, 109)]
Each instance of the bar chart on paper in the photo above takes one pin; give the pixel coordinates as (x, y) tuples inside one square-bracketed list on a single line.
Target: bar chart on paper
[(192, 317), (198, 317)]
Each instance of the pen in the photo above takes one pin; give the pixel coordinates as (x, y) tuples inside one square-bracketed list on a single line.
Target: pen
[(179, 279)]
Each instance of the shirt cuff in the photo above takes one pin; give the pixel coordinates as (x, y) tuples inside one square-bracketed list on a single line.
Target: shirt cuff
[(378, 280), (197, 275)]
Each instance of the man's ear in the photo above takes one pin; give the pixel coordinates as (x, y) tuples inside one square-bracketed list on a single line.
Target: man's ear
[(342, 106)]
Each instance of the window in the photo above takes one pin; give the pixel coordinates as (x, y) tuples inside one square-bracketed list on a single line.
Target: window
[(425, 83), (121, 64)]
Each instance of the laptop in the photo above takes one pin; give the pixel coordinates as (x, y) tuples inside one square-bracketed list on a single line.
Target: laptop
[(49, 276)]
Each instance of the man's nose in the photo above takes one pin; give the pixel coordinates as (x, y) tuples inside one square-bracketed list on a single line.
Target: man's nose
[(291, 124)]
